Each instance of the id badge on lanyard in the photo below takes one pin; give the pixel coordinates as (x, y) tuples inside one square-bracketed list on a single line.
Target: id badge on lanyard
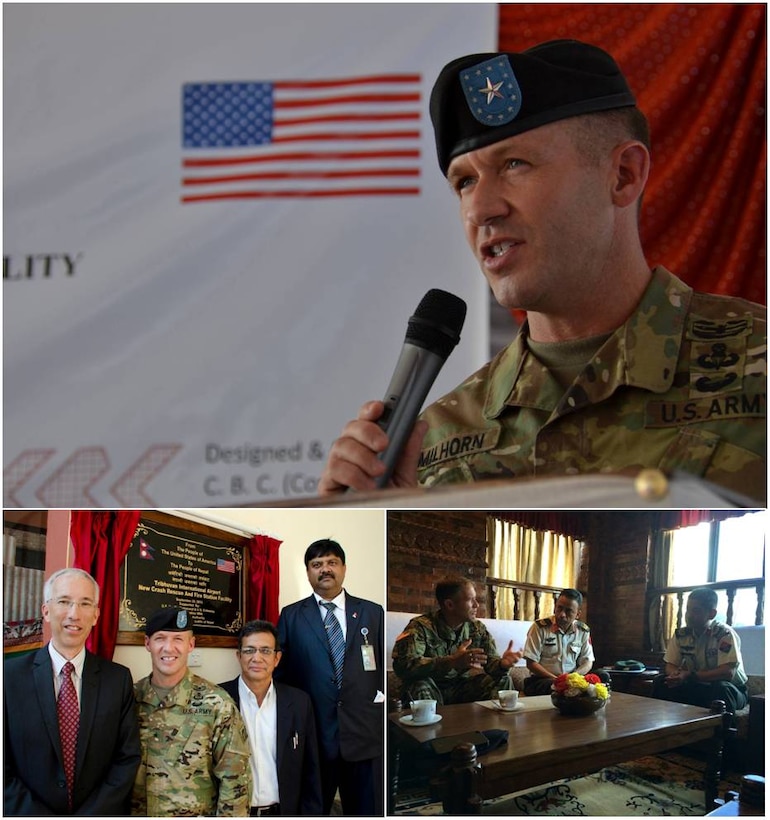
[(367, 652)]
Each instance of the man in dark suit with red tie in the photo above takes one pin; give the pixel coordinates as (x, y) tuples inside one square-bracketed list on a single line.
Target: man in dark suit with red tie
[(70, 730), (281, 728), (332, 646)]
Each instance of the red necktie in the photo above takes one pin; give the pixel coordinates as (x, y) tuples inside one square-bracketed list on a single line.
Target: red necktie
[(69, 718)]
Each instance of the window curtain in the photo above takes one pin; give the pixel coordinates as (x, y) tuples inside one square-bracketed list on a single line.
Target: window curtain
[(662, 612), (263, 578), (699, 74), (100, 541), (540, 557)]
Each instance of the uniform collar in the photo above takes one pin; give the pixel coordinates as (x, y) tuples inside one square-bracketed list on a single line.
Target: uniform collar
[(446, 631), (146, 692), (555, 629), (642, 352)]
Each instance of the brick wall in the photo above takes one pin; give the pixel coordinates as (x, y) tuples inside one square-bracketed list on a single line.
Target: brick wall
[(424, 547), (619, 566)]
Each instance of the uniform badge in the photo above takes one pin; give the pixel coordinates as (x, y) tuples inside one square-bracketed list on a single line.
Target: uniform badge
[(725, 646), (181, 619), (492, 91)]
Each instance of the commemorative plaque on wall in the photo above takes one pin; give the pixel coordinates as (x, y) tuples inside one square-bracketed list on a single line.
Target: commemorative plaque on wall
[(175, 562)]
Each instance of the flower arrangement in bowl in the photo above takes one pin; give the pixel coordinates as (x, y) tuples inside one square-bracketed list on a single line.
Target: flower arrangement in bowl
[(575, 694)]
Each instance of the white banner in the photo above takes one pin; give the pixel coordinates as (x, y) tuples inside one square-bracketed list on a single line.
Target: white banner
[(217, 221)]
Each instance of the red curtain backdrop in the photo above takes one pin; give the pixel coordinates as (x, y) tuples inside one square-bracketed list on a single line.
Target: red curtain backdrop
[(698, 72), (263, 578), (100, 541)]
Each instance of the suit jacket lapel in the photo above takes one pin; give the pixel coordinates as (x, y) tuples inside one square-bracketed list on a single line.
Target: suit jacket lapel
[(312, 616), (89, 693), (353, 618), (42, 671), (283, 710)]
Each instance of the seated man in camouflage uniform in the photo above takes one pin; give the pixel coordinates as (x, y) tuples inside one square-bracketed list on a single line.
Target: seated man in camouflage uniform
[(557, 645), (703, 659), (448, 655), (195, 750)]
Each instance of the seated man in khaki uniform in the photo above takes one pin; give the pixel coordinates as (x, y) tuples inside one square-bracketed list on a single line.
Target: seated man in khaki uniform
[(557, 645), (703, 659)]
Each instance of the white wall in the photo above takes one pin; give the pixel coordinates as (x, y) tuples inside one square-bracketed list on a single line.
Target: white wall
[(360, 532)]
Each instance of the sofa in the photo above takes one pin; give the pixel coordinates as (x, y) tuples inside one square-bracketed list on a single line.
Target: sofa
[(501, 630), (752, 649)]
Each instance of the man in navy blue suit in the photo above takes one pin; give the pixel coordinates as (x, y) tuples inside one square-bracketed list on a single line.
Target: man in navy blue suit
[(281, 727), (345, 686)]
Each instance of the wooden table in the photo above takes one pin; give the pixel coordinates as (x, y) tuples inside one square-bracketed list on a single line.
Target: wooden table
[(544, 745)]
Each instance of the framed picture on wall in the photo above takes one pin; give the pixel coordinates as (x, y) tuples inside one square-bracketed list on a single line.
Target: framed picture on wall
[(176, 562)]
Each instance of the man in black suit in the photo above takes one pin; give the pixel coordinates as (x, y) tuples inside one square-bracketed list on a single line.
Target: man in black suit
[(347, 695), (281, 727), (107, 750)]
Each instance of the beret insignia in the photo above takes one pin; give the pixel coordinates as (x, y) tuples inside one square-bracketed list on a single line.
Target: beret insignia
[(492, 91), (181, 619)]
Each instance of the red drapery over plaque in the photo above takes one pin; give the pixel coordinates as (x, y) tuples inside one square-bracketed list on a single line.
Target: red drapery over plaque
[(698, 73), (262, 602), (100, 541)]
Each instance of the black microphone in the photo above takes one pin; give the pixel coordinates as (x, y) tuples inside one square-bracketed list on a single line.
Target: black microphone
[(431, 335)]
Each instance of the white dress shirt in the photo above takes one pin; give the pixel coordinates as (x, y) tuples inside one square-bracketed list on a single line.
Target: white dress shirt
[(339, 610), (261, 726), (58, 662)]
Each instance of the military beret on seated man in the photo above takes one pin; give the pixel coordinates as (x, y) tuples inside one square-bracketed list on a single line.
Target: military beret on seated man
[(620, 365)]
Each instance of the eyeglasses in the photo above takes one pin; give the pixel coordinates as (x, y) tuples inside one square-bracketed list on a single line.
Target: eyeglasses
[(263, 650), (65, 603)]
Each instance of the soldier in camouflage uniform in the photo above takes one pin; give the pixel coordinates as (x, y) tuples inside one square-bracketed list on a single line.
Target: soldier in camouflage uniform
[(703, 659), (680, 386), (195, 751), (557, 645), (448, 655), (618, 366)]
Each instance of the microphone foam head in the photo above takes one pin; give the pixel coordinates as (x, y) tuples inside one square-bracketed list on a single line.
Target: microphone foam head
[(437, 322)]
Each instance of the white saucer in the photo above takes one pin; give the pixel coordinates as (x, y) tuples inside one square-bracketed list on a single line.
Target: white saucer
[(410, 721), (496, 704)]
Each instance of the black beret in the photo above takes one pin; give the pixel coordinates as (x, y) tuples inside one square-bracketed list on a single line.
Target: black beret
[(484, 98), (170, 619)]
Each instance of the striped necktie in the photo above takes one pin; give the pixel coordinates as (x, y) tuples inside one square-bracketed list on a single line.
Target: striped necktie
[(68, 712), (336, 640)]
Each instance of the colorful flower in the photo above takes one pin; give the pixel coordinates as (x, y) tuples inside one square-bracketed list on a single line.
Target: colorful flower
[(574, 685)]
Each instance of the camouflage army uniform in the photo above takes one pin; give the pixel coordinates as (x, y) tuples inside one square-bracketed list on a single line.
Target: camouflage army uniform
[(419, 659), (718, 645), (556, 651), (682, 385), (195, 752)]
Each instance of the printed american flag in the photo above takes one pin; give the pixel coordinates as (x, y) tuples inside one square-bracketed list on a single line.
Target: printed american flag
[(224, 565), (354, 136)]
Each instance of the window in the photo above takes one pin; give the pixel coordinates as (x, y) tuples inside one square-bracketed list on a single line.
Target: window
[(529, 567), (721, 551), (727, 554), (24, 536)]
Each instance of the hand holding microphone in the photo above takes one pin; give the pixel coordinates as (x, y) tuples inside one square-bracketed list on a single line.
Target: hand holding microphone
[(382, 445)]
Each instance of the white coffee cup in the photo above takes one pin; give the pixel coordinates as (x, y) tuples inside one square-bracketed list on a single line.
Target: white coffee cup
[(508, 698), (423, 710)]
